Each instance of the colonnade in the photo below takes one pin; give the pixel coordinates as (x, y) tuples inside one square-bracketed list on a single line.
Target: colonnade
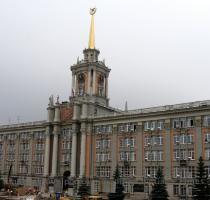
[(53, 129)]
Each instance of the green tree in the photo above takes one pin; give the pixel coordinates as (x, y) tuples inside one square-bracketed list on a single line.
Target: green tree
[(118, 194), (84, 189), (201, 187), (117, 174), (159, 190)]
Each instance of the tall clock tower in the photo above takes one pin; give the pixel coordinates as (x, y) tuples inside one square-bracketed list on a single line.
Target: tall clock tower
[(90, 75), (89, 98)]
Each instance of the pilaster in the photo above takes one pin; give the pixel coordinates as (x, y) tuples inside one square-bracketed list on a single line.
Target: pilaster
[(140, 153), (73, 150), (83, 150), (167, 150), (198, 136)]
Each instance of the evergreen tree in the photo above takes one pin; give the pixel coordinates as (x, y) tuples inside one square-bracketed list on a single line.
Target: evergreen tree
[(118, 195), (1, 183), (159, 190), (84, 189), (117, 174), (201, 187)]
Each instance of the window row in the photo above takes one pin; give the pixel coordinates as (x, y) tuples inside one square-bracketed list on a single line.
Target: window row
[(24, 146), (128, 127), (103, 171), (153, 140), (39, 134), (102, 157), (127, 142), (150, 171), (153, 125), (24, 157), (39, 146), (103, 129), (103, 143), (66, 145), (181, 190), (66, 133), (127, 156), (184, 172), (39, 157), (23, 169), (25, 135), (66, 157), (127, 171), (38, 170), (183, 123), (183, 139), (153, 155), (183, 154)]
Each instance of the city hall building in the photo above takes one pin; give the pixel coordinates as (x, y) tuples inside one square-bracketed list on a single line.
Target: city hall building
[(85, 137)]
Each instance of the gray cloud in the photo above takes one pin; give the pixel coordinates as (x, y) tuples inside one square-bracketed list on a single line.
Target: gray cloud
[(158, 51)]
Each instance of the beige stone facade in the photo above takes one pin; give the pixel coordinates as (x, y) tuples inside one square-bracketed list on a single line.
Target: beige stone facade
[(86, 137)]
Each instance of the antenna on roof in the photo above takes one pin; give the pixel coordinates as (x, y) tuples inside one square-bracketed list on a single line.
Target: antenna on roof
[(126, 106)]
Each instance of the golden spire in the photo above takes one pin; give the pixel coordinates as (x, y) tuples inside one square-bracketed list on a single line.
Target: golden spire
[(92, 33)]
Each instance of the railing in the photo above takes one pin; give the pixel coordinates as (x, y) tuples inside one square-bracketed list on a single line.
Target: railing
[(36, 123), (196, 104)]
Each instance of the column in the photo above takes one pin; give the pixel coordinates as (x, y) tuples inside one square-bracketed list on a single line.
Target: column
[(82, 156), (55, 152), (94, 82), (89, 79), (47, 152), (83, 149), (73, 151)]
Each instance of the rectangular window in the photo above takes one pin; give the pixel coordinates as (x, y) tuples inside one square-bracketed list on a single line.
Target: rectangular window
[(190, 122), (206, 121), (160, 125), (176, 123), (207, 137), (176, 190), (183, 190), (66, 157), (207, 154), (153, 126), (151, 171), (146, 126), (153, 155)]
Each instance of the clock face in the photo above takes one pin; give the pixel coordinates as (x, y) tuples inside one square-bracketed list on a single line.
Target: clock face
[(92, 11)]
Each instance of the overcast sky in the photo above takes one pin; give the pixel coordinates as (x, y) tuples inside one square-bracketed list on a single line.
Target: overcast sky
[(158, 51)]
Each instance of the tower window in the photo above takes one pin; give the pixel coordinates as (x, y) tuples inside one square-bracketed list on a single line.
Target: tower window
[(100, 85), (81, 83)]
